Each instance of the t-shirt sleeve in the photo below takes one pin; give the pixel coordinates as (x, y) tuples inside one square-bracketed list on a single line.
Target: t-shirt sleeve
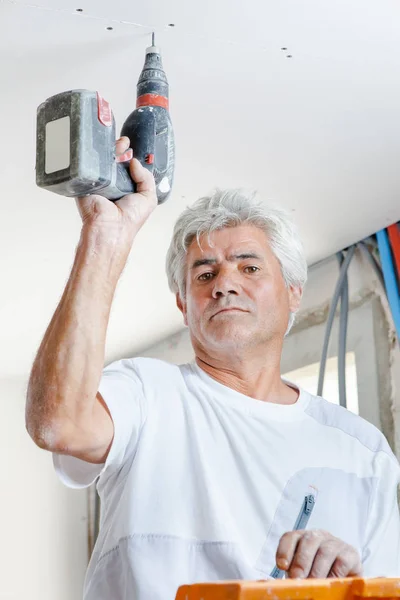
[(381, 555), (122, 390)]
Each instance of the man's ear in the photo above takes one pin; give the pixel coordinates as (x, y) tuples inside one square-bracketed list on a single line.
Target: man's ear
[(295, 295), (182, 307)]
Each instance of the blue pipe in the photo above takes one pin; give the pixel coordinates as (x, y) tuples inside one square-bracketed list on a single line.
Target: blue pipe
[(389, 276)]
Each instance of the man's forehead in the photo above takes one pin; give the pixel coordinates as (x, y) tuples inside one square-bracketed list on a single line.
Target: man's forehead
[(229, 242)]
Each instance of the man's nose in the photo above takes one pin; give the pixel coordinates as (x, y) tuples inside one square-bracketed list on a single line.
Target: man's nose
[(225, 284)]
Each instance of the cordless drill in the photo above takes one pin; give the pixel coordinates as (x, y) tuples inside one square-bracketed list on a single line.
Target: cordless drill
[(75, 142)]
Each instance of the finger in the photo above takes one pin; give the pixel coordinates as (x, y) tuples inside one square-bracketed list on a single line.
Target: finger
[(306, 550), (142, 177), (121, 145), (325, 558), (286, 548), (137, 207), (347, 564)]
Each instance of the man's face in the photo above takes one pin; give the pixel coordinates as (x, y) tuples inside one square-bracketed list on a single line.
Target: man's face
[(235, 292)]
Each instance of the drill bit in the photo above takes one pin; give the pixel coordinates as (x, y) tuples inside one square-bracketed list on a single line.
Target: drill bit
[(152, 39)]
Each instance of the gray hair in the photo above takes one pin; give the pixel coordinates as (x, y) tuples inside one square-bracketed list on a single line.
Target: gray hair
[(230, 208)]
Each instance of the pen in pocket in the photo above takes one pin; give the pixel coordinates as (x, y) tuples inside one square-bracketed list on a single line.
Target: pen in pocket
[(301, 523)]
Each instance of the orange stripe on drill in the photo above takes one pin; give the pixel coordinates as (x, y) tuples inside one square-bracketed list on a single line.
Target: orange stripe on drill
[(152, 100)]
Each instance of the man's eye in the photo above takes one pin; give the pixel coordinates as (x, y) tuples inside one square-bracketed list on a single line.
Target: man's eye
[(205, 277), (251, 269)]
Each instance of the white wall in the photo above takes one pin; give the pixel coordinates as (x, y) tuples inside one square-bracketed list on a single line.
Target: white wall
[(43, 549)]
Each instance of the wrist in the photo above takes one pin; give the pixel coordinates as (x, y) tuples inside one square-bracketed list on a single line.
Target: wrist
[(103, 252), (110, 238)]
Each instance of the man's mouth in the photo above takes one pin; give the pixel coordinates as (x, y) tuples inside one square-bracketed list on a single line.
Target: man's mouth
[(229, 309)]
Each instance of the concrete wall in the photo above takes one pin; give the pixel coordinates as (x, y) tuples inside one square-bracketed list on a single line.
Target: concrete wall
[(371, 334), (43, 550)]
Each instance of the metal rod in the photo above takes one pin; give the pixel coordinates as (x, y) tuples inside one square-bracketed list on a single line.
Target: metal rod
[(344, 312)]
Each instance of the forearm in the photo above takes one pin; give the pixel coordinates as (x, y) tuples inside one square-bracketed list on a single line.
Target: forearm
[(67, 369)]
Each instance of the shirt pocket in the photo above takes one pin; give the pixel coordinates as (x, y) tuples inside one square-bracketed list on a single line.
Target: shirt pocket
[(340, 507)]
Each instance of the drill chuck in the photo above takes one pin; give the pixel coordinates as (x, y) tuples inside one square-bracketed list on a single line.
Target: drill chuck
[(153, 79)]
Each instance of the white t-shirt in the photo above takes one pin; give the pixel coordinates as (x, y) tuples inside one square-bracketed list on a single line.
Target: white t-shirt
[(202, 481)]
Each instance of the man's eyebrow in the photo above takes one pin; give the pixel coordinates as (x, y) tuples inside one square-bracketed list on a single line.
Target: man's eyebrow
[(212, 261), (244, 256), (203, 261)]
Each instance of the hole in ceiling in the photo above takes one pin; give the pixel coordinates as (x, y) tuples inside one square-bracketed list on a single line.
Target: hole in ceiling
[(79, 10), (171, 24), (289, 56), (109, 28), (283, 48)]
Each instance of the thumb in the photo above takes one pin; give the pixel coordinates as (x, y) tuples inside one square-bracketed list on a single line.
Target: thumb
[(144, 180)]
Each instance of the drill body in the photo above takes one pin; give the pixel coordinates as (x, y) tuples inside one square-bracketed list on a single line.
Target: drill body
[(75, 143)]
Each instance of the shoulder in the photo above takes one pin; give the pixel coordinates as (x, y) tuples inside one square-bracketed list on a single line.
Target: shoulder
[(154, 366), (340, 419), (149, 371)]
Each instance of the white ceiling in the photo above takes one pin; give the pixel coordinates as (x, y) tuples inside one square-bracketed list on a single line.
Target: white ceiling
[(318, 133)]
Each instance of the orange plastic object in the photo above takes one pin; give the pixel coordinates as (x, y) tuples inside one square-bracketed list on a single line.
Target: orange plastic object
[(394, 236), (294, 589)]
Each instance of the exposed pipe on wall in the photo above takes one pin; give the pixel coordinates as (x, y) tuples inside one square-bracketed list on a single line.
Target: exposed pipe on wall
[(386, 273)]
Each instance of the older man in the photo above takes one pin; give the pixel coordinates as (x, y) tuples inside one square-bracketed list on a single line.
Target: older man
[(215, 469)]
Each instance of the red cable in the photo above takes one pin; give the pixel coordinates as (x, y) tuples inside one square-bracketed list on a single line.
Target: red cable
[(394, 237)]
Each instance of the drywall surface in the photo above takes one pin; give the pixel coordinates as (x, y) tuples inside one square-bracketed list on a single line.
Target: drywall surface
[(298, 100)]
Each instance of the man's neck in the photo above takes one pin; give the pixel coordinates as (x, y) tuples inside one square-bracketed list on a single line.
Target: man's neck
[(259, 379)]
